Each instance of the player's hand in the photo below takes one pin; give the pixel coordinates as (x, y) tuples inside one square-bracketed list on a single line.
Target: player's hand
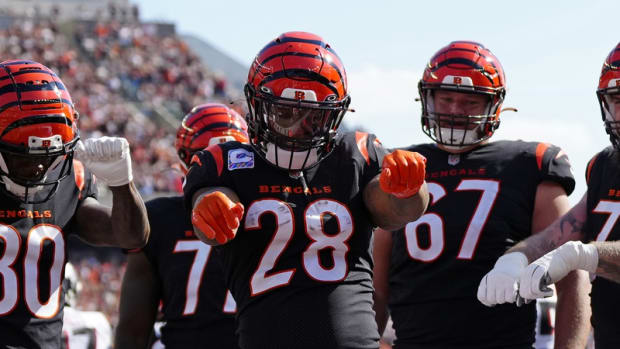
[(403, 173), (107, 158), (553, 267), (500, 285), (217, 217)]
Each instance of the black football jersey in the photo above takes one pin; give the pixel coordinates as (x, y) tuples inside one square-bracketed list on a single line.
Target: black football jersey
[(33, 239), (198, 309), (481, 204), (300, 266), (603, 204)]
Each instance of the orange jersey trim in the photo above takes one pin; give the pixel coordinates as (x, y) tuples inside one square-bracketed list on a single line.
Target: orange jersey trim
[(540, 152), (361, 138), (216, 152), (195, 160), (78, 171)]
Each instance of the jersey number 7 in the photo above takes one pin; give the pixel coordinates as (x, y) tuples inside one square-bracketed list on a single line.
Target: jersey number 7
[(613, 209), (194, 280)]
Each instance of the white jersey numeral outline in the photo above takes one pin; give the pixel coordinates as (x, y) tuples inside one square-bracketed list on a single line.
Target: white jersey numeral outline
[(263, 279), (613, 209), (196, 271), (435, 223), (34, 246)]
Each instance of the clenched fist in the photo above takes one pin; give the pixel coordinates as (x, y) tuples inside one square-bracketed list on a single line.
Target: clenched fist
[(554, 266), (217, 217), (107, 158), (403, 173)]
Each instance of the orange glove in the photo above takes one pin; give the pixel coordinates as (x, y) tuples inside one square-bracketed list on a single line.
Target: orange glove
[(403, 173), (217, 217)]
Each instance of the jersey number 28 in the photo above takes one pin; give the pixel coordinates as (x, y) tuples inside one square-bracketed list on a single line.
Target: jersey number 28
[(313, 221)]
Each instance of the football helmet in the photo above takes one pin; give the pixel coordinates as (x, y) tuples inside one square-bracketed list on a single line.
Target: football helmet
[(38, 130), (608, 93), (297, 96), (469, 68), (208, 124)]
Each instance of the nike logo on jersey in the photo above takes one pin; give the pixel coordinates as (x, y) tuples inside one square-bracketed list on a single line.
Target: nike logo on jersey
[(240, 158)]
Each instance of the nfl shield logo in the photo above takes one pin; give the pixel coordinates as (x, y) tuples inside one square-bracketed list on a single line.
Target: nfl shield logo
[(454, 159)]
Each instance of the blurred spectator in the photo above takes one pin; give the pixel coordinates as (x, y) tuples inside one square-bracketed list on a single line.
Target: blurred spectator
[(101, 282)]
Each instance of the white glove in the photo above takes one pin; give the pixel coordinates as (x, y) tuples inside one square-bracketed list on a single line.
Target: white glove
[(500, 284), (107, 158), (554, 266)]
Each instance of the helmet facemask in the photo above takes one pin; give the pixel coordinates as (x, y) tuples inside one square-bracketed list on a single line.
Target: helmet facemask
[(459, 130), (609, 100), (32, 175), (293, 133)]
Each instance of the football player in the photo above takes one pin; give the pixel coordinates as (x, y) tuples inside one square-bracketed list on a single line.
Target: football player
[(293, 211), (485, 196), (592, 220), (175, 267), (47, 193)]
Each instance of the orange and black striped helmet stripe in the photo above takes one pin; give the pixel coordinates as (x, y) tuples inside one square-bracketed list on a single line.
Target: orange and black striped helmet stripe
[(481, 51), (32, 94), (306, 46), (613, 61), (207, 118)]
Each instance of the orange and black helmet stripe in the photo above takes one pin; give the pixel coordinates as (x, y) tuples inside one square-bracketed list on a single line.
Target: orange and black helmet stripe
[(32, 94), (207, 118), (464, 61), (311, 49), (37, 119), (613, 61)]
